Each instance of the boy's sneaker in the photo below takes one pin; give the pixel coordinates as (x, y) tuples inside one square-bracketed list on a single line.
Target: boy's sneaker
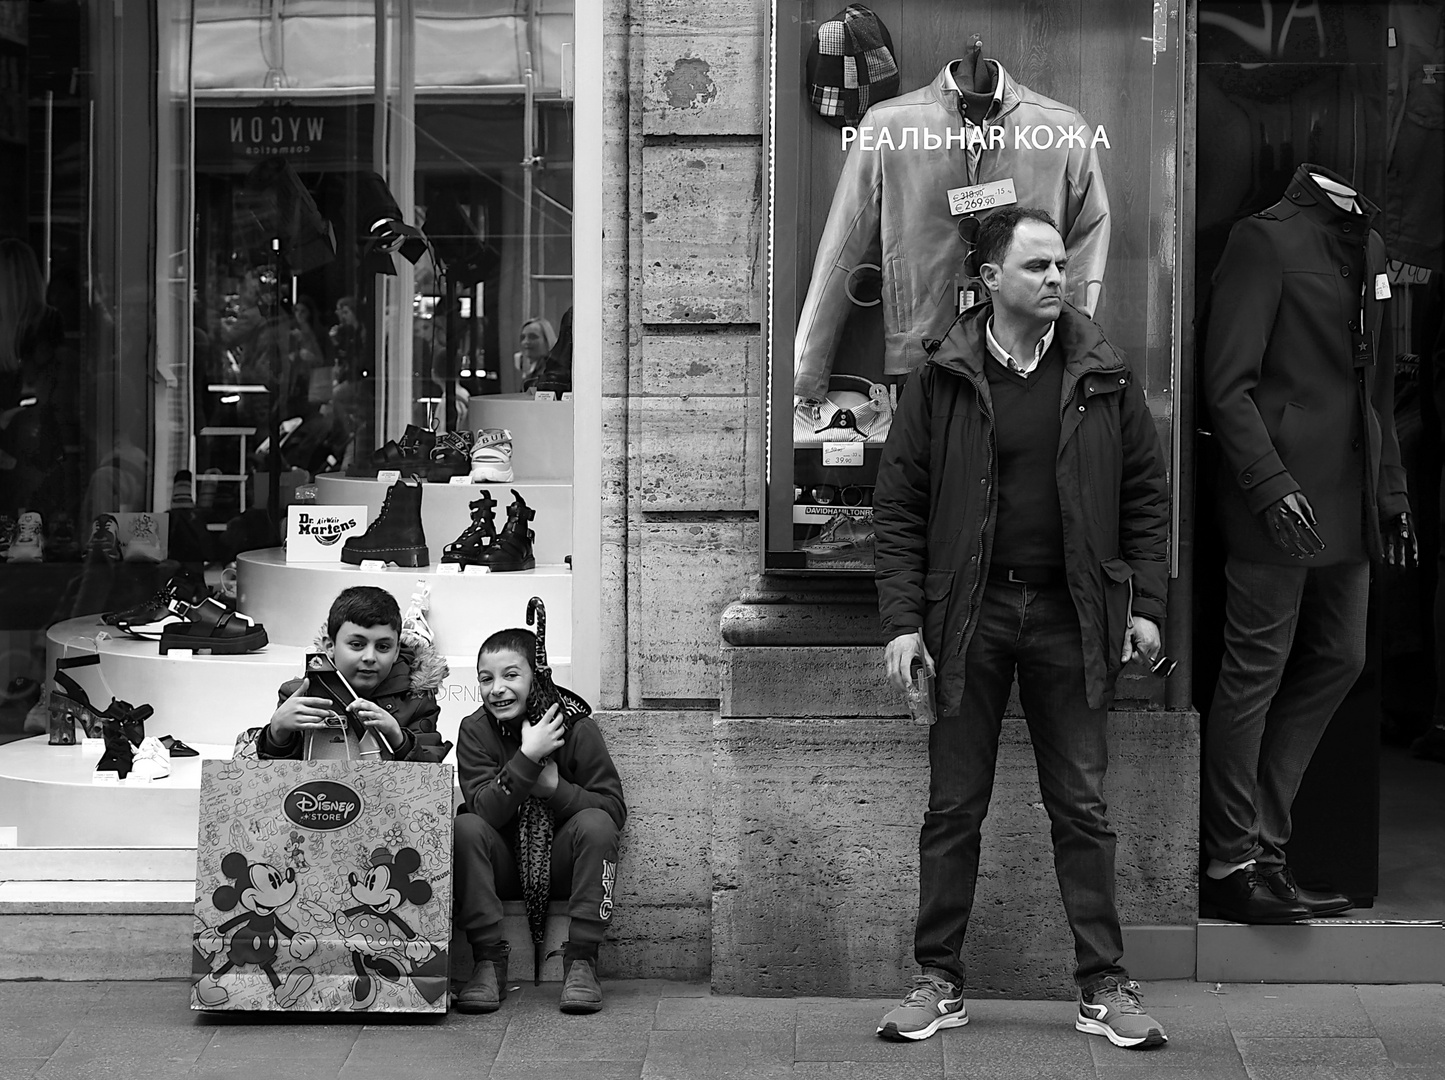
[(492, 457), (931, 1004), (581, 992), (1113, 1010)]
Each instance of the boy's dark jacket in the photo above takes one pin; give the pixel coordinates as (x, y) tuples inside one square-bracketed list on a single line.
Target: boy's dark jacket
[(496, 777), (409, 693)]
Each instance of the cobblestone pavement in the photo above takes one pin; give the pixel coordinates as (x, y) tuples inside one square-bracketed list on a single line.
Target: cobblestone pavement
[(663, 1030)]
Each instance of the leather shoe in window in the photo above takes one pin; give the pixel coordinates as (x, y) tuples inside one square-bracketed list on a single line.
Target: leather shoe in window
[(1281, 882), (1244, 897)]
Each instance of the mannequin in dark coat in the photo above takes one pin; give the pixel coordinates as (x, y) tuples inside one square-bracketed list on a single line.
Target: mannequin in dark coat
[(1298, 372)]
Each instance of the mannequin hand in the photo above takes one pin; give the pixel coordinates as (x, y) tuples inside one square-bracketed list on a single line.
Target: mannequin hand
[(898, 659), (1291, 525), (1401, 548)]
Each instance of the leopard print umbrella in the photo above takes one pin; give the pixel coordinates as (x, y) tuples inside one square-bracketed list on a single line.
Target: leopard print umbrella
[(535, 824)]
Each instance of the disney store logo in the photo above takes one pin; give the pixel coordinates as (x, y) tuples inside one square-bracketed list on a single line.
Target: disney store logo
[(322, 805)]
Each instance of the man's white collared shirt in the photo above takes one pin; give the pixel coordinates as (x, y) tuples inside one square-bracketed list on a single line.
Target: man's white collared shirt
[(999, 354)]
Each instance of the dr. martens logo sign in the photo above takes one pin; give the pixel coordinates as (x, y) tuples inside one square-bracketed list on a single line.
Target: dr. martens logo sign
[(325, 529), (322, 805)]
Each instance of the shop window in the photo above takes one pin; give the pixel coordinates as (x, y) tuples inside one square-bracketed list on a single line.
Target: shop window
[(871, 221)]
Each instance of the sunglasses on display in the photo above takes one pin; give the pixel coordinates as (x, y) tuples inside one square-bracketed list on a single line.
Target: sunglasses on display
[(834, 495), (968, 227)]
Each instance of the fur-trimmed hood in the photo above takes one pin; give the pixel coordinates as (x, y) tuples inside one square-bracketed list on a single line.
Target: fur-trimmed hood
[(426, 668)]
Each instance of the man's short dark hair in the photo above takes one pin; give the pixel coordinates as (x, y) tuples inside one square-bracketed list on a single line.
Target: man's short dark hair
[(514, 640), (996, 232), (364, 605)]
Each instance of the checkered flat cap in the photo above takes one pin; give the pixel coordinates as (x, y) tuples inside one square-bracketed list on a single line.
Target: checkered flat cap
[(850, 66)]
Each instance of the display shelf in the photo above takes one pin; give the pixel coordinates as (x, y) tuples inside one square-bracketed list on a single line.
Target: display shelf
[(446, 509), (291, 599)]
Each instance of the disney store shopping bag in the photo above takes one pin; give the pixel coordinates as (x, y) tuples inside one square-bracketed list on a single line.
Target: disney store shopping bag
[(323, 886)]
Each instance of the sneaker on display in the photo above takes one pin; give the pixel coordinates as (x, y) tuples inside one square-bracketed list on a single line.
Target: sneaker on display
[(395, 535), (150, 760), (62, 545), (27, 542), (144, 541), (492, 456), (932, 1003), (451, 457), (473, 547), (182, 498), (1113, 1010), (415, 630), (512, 550), (7, 527)]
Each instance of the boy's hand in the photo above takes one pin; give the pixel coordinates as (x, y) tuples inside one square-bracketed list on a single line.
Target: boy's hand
[(544, 737), (299, 713), (546, 785), (378, 719)]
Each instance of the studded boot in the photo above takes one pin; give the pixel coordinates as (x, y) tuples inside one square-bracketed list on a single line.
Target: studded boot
[(512, 550), (395, 535), (474, 546)]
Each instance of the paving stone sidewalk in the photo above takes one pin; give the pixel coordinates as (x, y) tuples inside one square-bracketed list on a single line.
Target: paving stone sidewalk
[(679, 1031)]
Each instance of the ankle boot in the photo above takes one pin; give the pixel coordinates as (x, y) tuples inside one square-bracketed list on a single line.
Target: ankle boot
[(474, 546), (512, 549), (118, 750), (396, 534)]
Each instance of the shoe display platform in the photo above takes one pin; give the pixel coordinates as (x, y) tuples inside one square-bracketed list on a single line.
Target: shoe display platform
[(291, 599), (446, 509)]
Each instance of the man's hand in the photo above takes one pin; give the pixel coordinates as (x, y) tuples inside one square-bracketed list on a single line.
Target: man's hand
[(544, 737), (1291, 525), (299, 713), (546, 785), (1401, 548), (1141, 640), (898, 658), (378, 719)]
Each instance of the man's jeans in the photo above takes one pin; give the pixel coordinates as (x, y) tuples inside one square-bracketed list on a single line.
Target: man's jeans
[(1037, 630), (1294, 643)]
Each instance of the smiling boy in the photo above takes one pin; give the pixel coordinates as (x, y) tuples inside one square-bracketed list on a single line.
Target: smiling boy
[(502, 760), (395, 687)]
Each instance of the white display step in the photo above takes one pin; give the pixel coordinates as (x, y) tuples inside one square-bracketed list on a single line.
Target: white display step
[(291, 599), (98, 864), (446, 509), (204, 699)]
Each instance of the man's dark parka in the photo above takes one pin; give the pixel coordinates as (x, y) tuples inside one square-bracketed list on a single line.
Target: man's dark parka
[(936, 503)]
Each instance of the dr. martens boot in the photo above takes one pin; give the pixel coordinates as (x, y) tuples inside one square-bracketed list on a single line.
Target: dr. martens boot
[(395, 536), (512, 550), (474, 546)]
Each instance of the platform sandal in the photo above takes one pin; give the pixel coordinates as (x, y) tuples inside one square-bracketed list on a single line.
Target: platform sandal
[(213, 627), (70, 707)]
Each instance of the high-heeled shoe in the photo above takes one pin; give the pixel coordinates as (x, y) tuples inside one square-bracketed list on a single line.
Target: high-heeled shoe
[(70, 707)]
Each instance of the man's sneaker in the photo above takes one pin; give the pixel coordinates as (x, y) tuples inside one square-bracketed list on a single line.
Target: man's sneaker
[(492, 457), (1113, 1011), (931, 1004)]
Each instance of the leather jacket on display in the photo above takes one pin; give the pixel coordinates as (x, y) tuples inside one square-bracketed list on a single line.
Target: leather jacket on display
[(891, 209)]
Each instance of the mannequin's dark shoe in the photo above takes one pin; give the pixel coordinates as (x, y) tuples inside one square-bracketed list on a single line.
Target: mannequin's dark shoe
[(487, 988), (395, 535), (1281, 882), (1244, 897), (581, 992)]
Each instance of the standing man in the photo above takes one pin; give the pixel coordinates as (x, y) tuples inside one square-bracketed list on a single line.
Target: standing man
[(1299, 377), (1022, 523)]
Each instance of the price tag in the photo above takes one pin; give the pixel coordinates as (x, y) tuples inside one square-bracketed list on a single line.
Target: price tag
[(566, 395), (449, 568), (373, 564), (460, 481), (479, 570), (389, 476), (181, 654), (1382, 287), (842, 453), (970, 200), (109, 778), (544, 395)]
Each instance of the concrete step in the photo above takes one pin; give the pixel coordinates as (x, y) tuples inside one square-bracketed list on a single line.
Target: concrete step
[(147, 864)]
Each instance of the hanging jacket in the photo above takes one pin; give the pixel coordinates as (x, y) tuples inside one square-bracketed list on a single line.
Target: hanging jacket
[(1289, 406), (891, 209), (936, 502)]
